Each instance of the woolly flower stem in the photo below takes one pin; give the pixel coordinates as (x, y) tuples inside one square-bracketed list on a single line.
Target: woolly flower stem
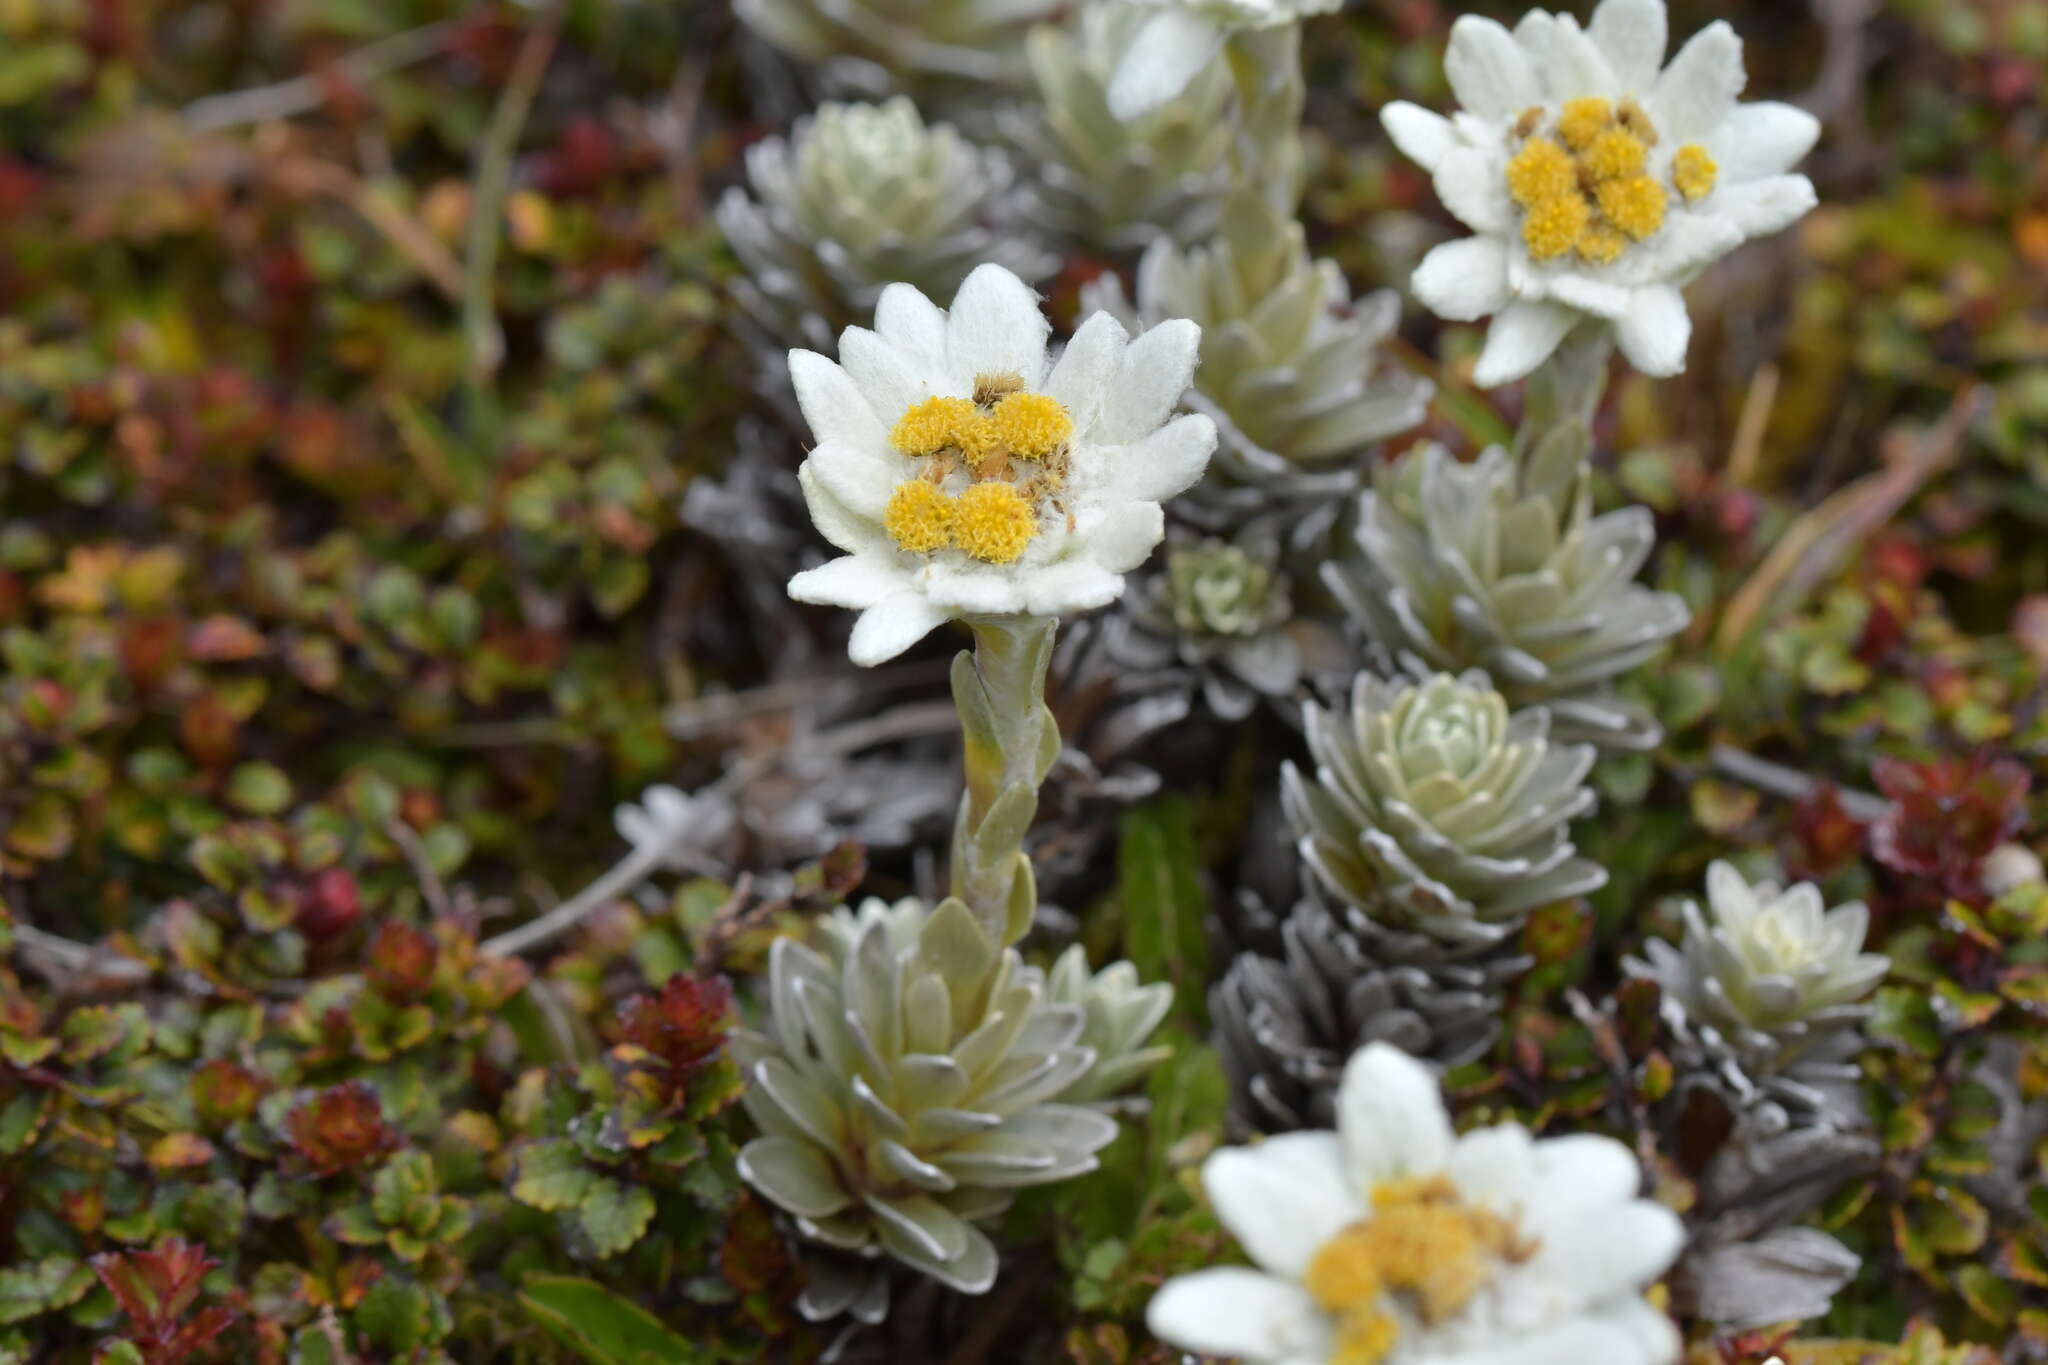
[(1009, 743), (1564, 392)]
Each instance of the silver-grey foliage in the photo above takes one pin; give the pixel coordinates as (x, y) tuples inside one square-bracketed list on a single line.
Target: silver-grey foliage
[(1502, 565), (1766, 991), (1119, 1015), (857, 197), (913, 1075), (1221, 615), (1097, 182), (951, 48), (1294, 369), (1765, 999), (1437, 810), (1284, 1029)]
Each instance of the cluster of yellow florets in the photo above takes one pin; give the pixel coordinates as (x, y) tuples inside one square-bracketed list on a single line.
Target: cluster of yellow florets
[(983, 438), (1423, 1243), (1586, 188)]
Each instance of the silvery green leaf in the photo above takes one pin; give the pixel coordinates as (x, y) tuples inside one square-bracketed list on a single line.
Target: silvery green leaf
[(1501, 565), (928, 1039), (794, 1175)]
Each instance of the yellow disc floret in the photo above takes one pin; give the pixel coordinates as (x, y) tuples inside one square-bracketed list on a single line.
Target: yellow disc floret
[(1635, 205), (1600, 244), (1032, 425), (1694, 172), (1344, 1273), (1364, 1338), (1582, 120), (1540, 172), (1422, 1245), (1552, 227), (1433, 1251), (993, 522), (1614, 155), (976, 437), (920, 517), (932, 425)]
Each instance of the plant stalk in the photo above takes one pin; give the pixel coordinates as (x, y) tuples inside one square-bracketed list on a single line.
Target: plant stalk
[(1010, 741)]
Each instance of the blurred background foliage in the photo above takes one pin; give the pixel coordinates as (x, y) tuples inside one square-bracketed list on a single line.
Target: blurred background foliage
[(355, 358)]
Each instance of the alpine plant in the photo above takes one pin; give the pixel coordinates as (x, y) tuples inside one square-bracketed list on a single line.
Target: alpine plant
[(1436, 809), (1394, 1241), (857, 197), (1502, 565), (911, 1080), (1597, 181), (965, 472)]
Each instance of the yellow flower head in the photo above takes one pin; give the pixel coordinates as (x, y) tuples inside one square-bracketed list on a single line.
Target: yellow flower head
[(1582, 120), (1541, 172), (993, 522), (920, 516), (1345, 1272), (1615, 155), (1032, 425), (1694, 172), (1636, 205), (1552, 227), (1600, 244), (932, 425), (976, 436), (1365, 1337), (1422, 1243)]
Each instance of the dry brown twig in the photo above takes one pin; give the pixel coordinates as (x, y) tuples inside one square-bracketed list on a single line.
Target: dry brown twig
[(304, 94)]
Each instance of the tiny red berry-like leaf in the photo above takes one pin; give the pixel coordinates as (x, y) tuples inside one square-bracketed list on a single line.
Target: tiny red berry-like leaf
[(402, 961), (224, 1091), (1829, 837), (329, 905), (156, 1289), (683, 1024), (341, 1128), (1947, 815)]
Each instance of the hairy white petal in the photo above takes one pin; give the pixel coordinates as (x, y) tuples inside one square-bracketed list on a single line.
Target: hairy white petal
[(892, 626), (1761, 207), (996, 327), (833, 404), (891, 379), (1080, 377), (1150, 377), (1391, 1118), (1521, 338), (1464, 280), (1231, 1311), (1633, 34), (1656, 331), (1423, 137), (1488, 70), (1699, 88), (1762, 139), (1473, 187), (854, 581)]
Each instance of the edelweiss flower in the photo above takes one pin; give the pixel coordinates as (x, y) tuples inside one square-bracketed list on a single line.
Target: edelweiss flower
[(1597, 184), (964, 476), (1392, 1242), (1183, 38)]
